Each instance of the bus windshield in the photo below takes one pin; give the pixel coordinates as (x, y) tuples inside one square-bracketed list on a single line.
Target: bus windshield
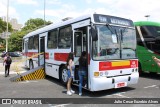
[(151, 35), (114, 43), (150, 31)]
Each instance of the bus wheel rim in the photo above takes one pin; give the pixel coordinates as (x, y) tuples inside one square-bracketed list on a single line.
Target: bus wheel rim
[(64, 75)]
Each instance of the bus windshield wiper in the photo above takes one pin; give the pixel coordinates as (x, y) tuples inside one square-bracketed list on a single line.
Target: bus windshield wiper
[(110, 28)]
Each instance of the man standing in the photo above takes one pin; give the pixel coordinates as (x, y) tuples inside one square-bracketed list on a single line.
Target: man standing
[(7, 62)]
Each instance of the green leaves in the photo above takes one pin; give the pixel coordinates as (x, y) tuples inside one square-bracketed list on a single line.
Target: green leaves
[(33, 24), (15, 40), (3, 26)]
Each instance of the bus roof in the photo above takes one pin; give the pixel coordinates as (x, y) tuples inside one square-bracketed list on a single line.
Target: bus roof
[(146, 23), (55, 25)]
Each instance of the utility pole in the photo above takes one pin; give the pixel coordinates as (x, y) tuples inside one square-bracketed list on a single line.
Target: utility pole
[(7, 26), (44, 11)]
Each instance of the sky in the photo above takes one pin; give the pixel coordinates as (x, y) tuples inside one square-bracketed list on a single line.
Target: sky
[(55, 10)]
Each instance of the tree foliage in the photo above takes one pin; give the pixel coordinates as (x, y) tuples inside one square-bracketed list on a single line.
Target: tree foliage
[(33, 24), (15, 40), (3, 28)]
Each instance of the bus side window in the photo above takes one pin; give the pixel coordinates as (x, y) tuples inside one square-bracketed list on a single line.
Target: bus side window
[(30, 43), (52, 39), (35, 42), (64, 40)]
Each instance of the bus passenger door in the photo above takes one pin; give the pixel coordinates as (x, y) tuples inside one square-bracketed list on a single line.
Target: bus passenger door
[(80, 45), (41, 50), (78, 38), (80, 41), (25, 51)]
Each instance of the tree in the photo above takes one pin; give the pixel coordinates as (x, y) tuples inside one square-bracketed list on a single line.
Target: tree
[(33, 24), (15, 40), (3, 27), (2, 44)]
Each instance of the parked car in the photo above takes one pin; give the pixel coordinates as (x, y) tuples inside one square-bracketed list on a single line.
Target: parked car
[(2, 55), (14, 54)]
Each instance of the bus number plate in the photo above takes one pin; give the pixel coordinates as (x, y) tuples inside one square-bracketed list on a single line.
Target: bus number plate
[(120, 84)]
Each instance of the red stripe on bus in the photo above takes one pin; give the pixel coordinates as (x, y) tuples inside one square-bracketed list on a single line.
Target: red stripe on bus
[(61, 56), (108, 65), (46, 55), (104, 66), (30, 54)]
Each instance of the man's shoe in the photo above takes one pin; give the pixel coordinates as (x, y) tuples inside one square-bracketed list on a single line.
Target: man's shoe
[(69, 93)]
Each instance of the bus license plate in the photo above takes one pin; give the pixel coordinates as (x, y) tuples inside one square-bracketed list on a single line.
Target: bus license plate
[(120, 84)]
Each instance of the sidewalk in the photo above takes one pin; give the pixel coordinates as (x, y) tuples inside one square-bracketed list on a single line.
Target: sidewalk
[(15, 64)]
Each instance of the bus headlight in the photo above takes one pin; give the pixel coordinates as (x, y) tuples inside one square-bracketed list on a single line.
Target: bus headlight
[(96, 74)]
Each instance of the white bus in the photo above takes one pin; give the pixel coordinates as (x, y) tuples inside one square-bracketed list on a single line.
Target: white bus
[(110, 43)]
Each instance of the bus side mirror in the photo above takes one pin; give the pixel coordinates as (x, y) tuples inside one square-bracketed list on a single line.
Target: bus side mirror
[(94, 34)]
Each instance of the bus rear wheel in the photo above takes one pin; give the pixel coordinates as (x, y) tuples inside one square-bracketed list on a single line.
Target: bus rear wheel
[(63, 75)]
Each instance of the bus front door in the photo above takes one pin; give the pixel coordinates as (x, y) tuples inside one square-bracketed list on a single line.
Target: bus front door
[(77, 51), (26, 51), (80, 45), (41, 50)]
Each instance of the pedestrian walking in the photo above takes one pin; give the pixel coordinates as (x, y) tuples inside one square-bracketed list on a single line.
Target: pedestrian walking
[(82, 70), (7, 62), (70, 72)]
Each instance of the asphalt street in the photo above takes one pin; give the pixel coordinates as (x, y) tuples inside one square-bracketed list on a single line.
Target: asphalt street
[(147, 87)]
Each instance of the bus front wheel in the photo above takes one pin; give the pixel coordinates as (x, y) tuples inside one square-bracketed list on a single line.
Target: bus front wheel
[(63, 75)]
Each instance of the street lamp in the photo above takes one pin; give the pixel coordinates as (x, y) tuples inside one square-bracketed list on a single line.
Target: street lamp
[(147, 16)]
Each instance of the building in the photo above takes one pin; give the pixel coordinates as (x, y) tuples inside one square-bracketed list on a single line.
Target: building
[(13, 22)]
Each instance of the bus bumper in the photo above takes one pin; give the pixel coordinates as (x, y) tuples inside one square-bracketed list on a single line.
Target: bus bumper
[(103, 83)]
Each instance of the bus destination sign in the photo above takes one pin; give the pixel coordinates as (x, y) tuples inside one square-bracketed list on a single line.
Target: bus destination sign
[(112, 20)]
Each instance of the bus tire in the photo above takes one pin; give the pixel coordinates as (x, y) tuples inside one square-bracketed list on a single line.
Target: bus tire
[(63, 75), (31, 66)]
